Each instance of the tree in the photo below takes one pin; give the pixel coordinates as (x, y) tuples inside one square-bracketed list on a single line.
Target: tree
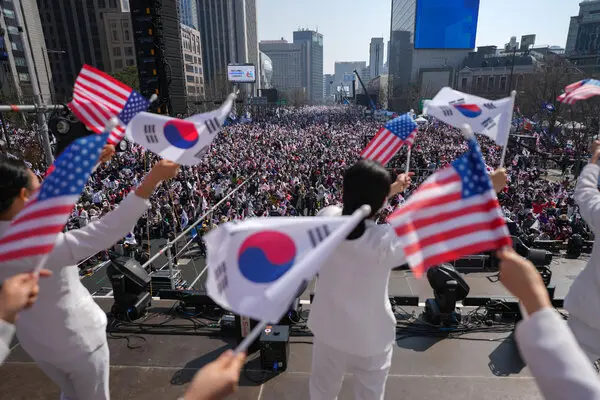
[(129, 76)]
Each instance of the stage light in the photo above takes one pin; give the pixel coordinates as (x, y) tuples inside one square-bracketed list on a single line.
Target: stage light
[(448, 288), (130, 283)]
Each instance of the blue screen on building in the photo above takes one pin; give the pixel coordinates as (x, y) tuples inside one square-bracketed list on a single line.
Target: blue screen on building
[(446, 24)]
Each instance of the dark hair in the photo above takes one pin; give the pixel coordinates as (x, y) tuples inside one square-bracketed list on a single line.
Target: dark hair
[(14, 176), (366, 182)]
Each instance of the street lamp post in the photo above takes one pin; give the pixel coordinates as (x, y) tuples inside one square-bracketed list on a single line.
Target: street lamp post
[(512, 69)]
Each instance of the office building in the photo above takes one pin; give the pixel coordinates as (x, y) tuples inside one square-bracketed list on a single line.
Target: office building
[(344, 72), (118, 37), (376, 57), (417, 72), (583, 47), (191, 45), (229, 36), (85, 32), (188, 13), (15, 76), (288, 63), (313, 79), (328, 88)]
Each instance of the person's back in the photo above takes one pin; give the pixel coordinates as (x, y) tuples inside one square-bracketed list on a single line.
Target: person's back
[(351, 317)]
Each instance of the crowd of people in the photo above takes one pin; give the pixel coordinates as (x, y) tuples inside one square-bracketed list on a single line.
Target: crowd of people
[(291, 163)]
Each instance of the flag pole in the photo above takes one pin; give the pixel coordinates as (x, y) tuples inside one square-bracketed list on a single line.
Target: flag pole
[(513, 96), (407, 161), (281, 288)]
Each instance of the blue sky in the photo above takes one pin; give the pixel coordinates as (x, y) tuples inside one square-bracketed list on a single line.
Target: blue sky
[(348, 25)]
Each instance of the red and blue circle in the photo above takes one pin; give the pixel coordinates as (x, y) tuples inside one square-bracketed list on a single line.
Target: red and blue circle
[(265, 256), (181, 134), (468, 110)]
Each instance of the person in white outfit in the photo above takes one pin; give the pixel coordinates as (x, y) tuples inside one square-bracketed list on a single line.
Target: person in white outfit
[(351, 317), (583, 300), (65, 331), (559, 366), (17, 293)]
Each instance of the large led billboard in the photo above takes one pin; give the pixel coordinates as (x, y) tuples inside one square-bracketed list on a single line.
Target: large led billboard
[(446, 24)]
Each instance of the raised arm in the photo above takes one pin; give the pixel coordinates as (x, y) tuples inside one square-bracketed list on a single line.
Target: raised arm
[(587, 195), (76, 245)]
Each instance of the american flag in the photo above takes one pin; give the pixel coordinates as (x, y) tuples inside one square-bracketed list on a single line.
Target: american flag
[(33, 231), (390, 138), (97, 97), (454, 213), (581, 90)]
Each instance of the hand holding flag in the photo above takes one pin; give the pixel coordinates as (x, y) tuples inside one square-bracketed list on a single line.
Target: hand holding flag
[(181, 141), (454, 213), (98, 97)]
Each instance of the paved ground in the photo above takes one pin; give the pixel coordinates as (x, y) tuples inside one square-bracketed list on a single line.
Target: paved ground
[(487, 366)]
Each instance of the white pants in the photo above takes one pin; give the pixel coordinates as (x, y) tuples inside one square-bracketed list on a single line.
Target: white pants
[(329, 366), (81, 378)]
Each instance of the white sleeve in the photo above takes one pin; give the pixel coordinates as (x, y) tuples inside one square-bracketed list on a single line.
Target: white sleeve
[(560, 368), (7, 330), (76, 245), (587, 195)]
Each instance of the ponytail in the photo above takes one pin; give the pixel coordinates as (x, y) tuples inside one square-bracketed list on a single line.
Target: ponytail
[(14, 176)]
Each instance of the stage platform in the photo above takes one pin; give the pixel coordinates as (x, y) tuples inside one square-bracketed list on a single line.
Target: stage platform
[(476, 366)]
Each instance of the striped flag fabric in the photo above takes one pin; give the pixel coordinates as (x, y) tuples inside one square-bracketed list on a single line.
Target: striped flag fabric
[(33, 231), (390, 139), (581, 90), (97, 97), (454, 213)]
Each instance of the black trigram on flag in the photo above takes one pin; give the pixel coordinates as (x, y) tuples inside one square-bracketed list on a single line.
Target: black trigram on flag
[(318, 234), (489, 123), (201, 152), (221, 278), (150, 132), (490, 106), (212, 125), (447, 111)]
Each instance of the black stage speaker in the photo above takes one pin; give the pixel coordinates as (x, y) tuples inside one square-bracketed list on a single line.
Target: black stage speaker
[(130, 283), (275, 348)]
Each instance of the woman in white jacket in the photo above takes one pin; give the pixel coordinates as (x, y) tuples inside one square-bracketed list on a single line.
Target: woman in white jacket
[(583, 300), (65, 330)]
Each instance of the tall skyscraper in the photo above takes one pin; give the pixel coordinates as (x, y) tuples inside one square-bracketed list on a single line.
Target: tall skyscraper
[(15, 76), (188, 13), (289, 64), (314, 52), (582, 43), (229, 36), (80, 32), (376, 57), (192, 62)]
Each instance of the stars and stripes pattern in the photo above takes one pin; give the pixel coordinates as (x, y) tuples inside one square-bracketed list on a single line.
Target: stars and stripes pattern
[(390, 139), (581, 90), (453, 213), (33, 231), (97, 97)]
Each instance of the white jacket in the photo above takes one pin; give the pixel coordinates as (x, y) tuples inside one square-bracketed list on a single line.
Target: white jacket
[(7, 330), (583, 300), (351, 311), (65, 321), (561, 369)]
